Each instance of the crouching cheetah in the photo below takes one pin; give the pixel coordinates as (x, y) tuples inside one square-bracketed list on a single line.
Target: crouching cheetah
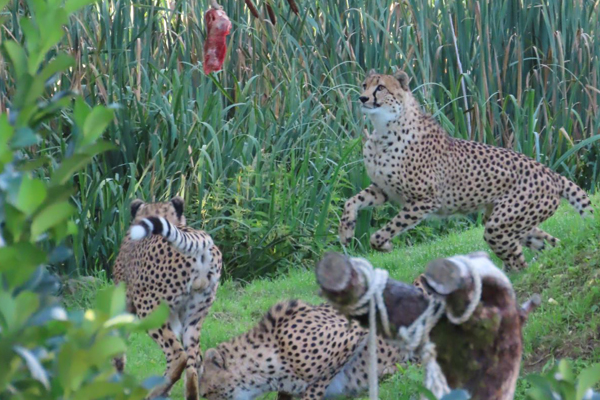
[(412, 160), (161, 259), (298, 350)]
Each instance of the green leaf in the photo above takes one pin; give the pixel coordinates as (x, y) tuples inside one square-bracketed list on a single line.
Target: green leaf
[(73, 366), (99, 390), (99, 147), (24, 137), (59, 64), (34, 164), (80, 111), (33, 364), (31, 195), (111, 300), (106, 348), (6, 133), (68, 168), (426, 392), (155, 319), (49, 217), (18, 58), (74, 5), (95, 124), (587, 379), (51, 25), (18, 261), (564, 368)]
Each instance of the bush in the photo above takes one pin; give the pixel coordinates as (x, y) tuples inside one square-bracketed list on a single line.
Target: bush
[(560, 383), (45, 352)]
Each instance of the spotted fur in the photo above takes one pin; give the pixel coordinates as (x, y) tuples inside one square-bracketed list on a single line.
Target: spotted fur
[(179, 265), (298, 350), (413, 161)]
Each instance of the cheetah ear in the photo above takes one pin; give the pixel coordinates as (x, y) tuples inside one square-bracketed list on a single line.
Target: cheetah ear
[(403, 78), (135, 206), (178, 205), (371, 72), (215, 358)]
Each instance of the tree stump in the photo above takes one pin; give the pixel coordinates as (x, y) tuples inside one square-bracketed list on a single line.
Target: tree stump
[(482, 355)]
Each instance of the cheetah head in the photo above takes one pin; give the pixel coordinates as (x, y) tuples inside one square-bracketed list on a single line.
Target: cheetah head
[(217, 381), (385, 96), (171, 210)]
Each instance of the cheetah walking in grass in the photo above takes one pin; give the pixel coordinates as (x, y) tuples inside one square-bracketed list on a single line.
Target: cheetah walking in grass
[(413, 161), (161, 259)]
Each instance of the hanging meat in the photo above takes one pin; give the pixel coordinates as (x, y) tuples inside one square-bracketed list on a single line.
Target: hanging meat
[(215, 46)]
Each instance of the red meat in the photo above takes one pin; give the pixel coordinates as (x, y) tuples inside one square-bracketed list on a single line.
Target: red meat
[(215, 46)]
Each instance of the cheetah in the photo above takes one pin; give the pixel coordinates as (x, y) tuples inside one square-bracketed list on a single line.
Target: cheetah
[(411, 160), (299, 350), (161, 259)]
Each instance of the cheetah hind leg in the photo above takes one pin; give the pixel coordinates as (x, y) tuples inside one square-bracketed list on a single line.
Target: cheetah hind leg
[(316, 390), (195, 315), (536, 240), (176, 359)]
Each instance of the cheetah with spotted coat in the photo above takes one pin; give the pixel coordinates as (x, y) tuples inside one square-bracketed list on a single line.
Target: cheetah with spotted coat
[(413, 161), (161, 259), (299, 350)]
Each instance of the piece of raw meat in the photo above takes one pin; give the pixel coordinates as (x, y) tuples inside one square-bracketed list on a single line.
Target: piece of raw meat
[(215, 46)]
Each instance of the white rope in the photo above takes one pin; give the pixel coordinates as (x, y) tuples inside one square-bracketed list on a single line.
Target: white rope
[(414, 336), (465, 262), (370, 302)]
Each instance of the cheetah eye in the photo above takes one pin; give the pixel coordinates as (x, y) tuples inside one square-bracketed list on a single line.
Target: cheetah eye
[(364, 86), (380, 87)]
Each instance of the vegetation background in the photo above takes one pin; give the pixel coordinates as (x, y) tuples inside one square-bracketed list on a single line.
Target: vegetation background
[(266, 152)]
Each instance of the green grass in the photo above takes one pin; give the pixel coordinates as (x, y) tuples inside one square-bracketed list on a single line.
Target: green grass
[(567, 326)]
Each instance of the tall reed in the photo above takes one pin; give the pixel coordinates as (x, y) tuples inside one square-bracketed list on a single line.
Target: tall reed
[(266, 152)]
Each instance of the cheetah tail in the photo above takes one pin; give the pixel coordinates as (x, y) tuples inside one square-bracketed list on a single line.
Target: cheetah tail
[(577, 197), (193, 244)]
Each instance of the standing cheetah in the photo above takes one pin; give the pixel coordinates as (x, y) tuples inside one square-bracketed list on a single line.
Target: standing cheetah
[(412, 160), (161, 259), (298, 350)]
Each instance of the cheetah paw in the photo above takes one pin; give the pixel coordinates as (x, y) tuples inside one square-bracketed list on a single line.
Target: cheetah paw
[(380, 243), (346, 234)]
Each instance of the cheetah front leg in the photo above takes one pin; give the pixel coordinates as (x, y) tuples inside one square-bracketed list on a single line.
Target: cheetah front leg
[(413, 212), (175, 355), (371, 196)]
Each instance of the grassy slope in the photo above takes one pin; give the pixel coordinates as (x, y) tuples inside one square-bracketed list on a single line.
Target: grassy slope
[(568, 325)]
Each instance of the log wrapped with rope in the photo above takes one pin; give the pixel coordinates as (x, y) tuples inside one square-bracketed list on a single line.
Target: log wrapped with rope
[(476, 341)]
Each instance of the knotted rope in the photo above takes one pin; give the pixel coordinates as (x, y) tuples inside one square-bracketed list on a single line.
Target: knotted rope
[(413, 337)]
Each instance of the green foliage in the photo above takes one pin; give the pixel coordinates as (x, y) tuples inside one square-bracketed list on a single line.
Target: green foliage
[(560, 383), (271, 146), (45, 352)]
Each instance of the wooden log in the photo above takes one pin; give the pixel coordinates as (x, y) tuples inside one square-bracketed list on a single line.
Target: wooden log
[(483, 354), (343, 285)]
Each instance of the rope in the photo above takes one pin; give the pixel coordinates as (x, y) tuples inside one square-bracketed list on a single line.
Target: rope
[(465, 262), (370, 302), (415, 336), (214, 4)]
